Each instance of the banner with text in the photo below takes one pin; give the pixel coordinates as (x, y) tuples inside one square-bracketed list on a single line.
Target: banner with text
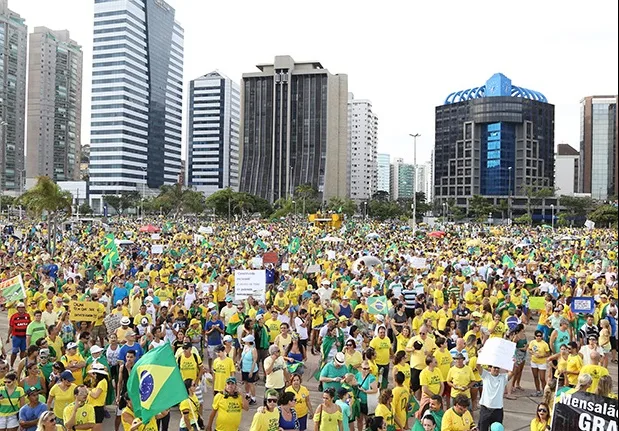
[(83, 311), (249, 283), (584, 411), (12, 289)]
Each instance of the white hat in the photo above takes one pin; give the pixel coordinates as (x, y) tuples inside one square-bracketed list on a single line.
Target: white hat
[(71, 346), (325, 282), (98, 369), (95, 349), (148, 299), (380, 317), (228, 339), (248, 339), (20, 304), (119, 302), (125, 321), (339, 358)]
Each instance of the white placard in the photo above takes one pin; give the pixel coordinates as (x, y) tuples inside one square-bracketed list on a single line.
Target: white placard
[(256, 262), (249, 283), (589, 224), (418, 262), (155, 236), (498, 353), (285, 266), (156, 249), (330, 254), (205, 229)]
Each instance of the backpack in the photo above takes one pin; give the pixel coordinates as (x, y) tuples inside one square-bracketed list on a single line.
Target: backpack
[(195, 358)]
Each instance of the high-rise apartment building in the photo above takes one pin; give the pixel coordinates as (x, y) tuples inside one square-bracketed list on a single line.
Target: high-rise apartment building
[(295, 130), (599, 155), (402, 180), (54, 105), (491, 140), (566, 170), (13, 35), (137, 94), (383, 162), (362, 142), (423, 180), (213, 133)]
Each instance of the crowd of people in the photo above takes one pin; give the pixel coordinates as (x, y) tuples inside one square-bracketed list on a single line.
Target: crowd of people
[(411, 365)]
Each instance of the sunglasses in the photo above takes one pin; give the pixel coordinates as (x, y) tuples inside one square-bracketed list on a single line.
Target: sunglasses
[(365, 369), (542, 410), (272, 400)]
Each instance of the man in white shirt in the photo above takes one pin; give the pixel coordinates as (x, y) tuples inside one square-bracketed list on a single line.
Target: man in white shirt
[(228, 311), (491, 401), (49, 316)]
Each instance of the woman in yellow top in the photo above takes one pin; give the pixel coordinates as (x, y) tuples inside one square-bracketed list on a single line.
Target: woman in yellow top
[(353, 357), (303, 407), (382, 345), (561, 358), (400, 365), (497, 328), (189, 408), (328, 416), (61, 394), (383, 409), (402, 340), (539, 350), (573, 365), (541, 419), (97, 395)]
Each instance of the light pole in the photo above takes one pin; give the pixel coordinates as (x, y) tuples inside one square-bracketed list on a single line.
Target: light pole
[(295, 209), (415, 136), (552, 220), (509, 194), (444, 212), (365, 209), (143, 192)]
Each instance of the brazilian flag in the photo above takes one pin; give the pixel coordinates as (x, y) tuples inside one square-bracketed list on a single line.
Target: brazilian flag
[(155, 383), (294, 245), (260, 244), (377, 304), (111, 258), (508, 262)]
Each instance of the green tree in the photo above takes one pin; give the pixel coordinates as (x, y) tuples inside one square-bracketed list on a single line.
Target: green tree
[(85, 209), (177, 200), (381, 195), (344, 205), (305, 191), (384, 210), (123, 201), (604, 215), (479, 208), (243, 203), (577, 207), (524, 219), (6, 201), (502, 207), (46, 197), (221, 201)]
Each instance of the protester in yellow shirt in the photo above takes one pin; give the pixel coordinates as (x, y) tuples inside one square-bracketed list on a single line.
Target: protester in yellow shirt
[(228, 407), (79, 413), (223, 368), (382, 345), (74, 362), (458, 418), (460, 378), (399, 403)]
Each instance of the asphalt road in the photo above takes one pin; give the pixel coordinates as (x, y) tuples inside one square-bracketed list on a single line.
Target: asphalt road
[(518, 413)]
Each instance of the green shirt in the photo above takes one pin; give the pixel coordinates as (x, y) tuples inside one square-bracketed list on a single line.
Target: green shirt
[(36, 330), (9, 404)]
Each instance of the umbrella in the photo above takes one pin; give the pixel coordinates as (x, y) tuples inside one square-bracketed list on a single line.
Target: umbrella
[(149, 228), (367, 260), (264, 232), (372, 235), (436, 234), (330, 238)]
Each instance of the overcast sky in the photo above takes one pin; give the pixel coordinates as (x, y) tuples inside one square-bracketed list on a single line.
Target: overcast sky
[(405, 56)]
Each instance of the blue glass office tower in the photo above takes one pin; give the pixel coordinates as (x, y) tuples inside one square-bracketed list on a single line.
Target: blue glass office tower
[(493, 140), (137, 93)]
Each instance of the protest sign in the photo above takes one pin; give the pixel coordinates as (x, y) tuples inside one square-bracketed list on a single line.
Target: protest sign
[(269, 257), (249, 283), (584, 411), (497, 352), (112, 322), (285, 266), (589, 224), (311, 269), (418, 262), (80, 311), (155, 236), (12, 290), (205, 229), (583, 304), (156, 249), (537, 302), (330, 254), (257, 262)]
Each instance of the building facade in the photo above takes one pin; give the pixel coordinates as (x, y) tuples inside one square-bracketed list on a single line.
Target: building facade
[(213, 123), (383, 163), (567, 171), (295, 130), (13, 35), (423, 180), (495, 140), (137, 94), (362, 142), (599, 155), (54, 105), (402, 180)]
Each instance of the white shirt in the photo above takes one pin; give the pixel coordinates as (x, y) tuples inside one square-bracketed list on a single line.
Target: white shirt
[(227, 312), (302, 331), (494, 387)]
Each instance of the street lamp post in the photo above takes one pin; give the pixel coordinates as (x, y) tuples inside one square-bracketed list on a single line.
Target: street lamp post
[(365, 209), (415, 136), (509, 194), (552, 220), (144, 170), (444, 212)]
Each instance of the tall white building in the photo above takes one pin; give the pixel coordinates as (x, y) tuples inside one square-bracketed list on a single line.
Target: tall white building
[(213, 133), (567, 161), (137, 95), (362, 143), (423, 182), (383, 175)]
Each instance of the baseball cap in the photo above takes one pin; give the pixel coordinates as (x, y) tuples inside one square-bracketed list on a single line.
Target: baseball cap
[(67, 375), (187, 345), (228, 299), (227, 339), (248, 339), (31, 391), (231, 380), (343, 319), (21, 304), (194, 322), (119, 302), (71, 346)]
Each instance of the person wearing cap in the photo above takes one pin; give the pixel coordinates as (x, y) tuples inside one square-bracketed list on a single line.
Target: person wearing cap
[(130, 344), (460, 378), (228, 408), (333, 372), (18, 324), (74, 362), (96, 357), (79, 412), (267, 417), (99, 331), (97, 396), (29, 414), (228, 311), (62, 394)]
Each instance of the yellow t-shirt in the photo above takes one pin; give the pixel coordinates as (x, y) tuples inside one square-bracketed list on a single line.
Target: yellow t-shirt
[(452, 421), (460, 377), (190, 405), (273, 328), (353, 360), (222, 369), (431, 379), (100, 400), (574, 364), (302, 396), (78, 375), (444, 360), (61, 398), (188, 366), (84, 414), (267, 421), (100, 314), (539, 351), (9, 405), (406, 370), (399, 403), (229, 411), (383, 349), (149, 426), (596, 372), (384, 412)]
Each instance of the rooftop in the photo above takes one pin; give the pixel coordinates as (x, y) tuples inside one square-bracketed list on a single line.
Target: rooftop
[(497, 85)]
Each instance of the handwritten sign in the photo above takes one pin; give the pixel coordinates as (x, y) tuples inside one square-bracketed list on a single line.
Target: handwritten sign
[(498, 353), (12, 290), (583, 304), (249, 283), (80, 311), (112, 322), (156, 249), (418, 262)]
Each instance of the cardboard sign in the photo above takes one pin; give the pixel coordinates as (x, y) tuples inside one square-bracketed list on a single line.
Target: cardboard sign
[(418, 262), (12, 290), (112, 322), (270, 257), (156, 249), (80, 311), (330, 254), (584, 411), (497, 352), (205, 229), (249, 283), (583, 304), (311, 269)]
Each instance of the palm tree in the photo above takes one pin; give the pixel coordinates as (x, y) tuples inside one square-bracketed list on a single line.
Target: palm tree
[(179, 199), (243, 202), (46, 197)]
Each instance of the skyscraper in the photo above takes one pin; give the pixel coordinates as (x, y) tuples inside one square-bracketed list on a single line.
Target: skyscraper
[(213, 133), (566, 170), (137, 94), (384, 180), (402, 178), (492, 138), (295, 129), (13, 34), (54, 105), (362, 143), (599, 155)]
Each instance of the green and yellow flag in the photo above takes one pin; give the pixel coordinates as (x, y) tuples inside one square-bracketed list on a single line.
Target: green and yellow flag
[(508, 262), (112, 258), (155, 383), (294, 245), (260, 244), (12, 290), (377, 305)]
